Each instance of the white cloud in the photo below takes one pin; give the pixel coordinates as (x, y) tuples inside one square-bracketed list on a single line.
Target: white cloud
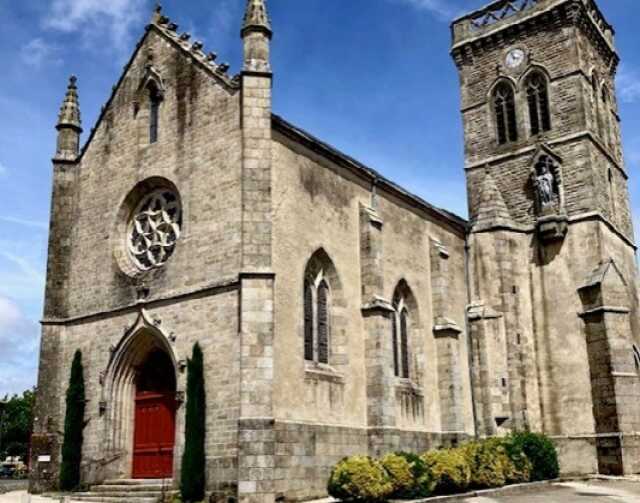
[(442, 9), (23, 221), (629, 84), (95, 18), (3, 169), (19, 340), (38, 52)]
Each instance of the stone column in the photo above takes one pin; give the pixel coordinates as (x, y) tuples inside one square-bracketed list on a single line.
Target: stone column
[(256, 428), (378, 315), (488, 369), (615, 384), (446, 333)]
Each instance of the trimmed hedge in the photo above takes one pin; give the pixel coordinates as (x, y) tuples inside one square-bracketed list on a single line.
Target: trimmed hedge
[(541, 453), (495, 462), (410, 475), (360, 478), (451, 470)]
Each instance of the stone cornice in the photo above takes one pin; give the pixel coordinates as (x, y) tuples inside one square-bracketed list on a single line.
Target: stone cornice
[(530, 149), (231, 283), (530, 229)]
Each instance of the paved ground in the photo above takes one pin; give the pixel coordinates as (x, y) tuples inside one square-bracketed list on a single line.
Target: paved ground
[(575, 492), (567, 492)]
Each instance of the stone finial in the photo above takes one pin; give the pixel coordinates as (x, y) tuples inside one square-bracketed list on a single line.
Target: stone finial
[(157, 13), (256, 18), (70, 110)]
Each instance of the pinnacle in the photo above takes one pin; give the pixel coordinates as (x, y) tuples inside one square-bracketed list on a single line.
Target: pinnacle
[(256, 17), (70, 110), (492, 209)]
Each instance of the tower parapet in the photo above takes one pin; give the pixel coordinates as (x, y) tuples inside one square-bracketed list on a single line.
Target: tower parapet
[(501, 15)]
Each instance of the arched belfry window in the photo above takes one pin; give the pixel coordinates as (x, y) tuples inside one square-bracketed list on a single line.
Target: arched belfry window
[(319, 282), (538, 103), (504, 105), (154, 113), (401, 330)]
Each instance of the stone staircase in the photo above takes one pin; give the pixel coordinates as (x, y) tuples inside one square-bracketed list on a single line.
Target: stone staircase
[(129, 490)]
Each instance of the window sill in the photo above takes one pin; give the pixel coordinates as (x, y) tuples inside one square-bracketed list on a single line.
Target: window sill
[(322, 372), (408, 386)]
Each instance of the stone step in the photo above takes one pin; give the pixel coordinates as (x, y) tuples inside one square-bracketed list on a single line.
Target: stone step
[(130, 488), (138, 482), (115, 499), (123, 494)]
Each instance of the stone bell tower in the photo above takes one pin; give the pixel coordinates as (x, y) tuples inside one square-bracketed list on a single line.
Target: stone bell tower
[(553, 320)]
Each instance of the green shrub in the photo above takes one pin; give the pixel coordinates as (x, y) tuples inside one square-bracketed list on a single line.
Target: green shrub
[(450, 469), (494, 462), (192, 484), (360, 478), (73, 427), (541, 453), (519, 470), (487, 462), (410, 476)]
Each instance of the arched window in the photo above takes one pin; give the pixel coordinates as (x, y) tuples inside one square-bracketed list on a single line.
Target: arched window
[(323, 322), (403, 304), (154, 112), (504, 104), (308, 321), (319, 282), (538, 101), (404, 342), (636, 358)]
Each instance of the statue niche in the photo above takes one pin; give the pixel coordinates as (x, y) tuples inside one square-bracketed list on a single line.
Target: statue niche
[(549, 197), (546, 186)]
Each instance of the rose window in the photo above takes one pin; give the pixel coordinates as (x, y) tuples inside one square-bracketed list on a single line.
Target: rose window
[(155, 229)]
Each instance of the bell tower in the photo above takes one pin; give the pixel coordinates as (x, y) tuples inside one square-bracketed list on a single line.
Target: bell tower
[(551, 234)]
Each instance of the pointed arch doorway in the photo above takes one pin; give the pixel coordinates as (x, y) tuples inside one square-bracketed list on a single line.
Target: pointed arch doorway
[(155, 417)]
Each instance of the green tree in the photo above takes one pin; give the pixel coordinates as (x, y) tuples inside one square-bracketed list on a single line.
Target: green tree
[(193, 461), (73, 427), (16, 417)]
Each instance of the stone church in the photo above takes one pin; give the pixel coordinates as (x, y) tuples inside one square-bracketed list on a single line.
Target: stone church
[(338, 313)]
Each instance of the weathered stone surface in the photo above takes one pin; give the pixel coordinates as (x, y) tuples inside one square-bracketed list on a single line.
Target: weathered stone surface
[(505, 328)]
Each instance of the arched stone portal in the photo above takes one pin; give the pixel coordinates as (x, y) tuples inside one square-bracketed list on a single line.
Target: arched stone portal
[(140, 396), (155, 418)]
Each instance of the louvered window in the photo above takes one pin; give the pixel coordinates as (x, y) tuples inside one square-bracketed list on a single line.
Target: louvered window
[(323, 323), (606, 117), (404, 344), (538, 100), (308, 321), (505, 113)]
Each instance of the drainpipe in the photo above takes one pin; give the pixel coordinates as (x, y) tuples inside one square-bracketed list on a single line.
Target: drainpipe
[(467, 278)]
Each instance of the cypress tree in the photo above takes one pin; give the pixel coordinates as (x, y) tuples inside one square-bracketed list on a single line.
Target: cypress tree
[(73, 427), (193, 461)]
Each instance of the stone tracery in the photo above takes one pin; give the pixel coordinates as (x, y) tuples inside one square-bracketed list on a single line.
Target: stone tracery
[(154, 229)]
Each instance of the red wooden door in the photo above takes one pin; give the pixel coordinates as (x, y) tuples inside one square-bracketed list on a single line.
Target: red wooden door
[(154, 436)]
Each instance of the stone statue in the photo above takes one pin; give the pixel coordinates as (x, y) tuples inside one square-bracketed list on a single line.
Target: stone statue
[(544, 184)]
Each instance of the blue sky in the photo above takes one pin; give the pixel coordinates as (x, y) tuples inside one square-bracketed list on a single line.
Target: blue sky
[(371, 77)]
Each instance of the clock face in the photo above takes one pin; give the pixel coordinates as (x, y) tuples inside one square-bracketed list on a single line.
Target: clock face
[(515, 58)]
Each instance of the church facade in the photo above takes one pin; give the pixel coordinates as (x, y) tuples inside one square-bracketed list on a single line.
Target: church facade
[(339, 314)]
